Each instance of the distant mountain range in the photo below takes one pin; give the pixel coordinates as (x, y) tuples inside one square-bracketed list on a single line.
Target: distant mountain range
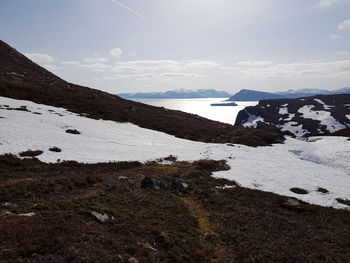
[(177, 94), (242, 95), (253, 95)]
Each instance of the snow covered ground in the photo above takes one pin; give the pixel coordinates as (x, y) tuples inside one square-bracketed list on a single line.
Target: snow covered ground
[(322, 162)]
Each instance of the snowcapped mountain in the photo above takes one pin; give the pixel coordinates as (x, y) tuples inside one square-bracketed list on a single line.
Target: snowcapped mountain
[(317, 115), (177, 94), (253, 95)]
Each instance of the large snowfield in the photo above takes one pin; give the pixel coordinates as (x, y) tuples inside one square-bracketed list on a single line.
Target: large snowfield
[(320, 162)]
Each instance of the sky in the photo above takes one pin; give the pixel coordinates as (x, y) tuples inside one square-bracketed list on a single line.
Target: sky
[(157, 45)]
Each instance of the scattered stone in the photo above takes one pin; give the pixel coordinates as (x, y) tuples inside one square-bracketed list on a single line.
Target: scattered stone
[(102, 217), (299, 191), (30, 153), (152, 183), (28, 214), (165, 162), (323, 190), (170, 158), (343, 201), (9, 204), (55, 149), (73, 131), (293, 204), (147, 246), (226, 186), (179, 184), (133, 260), (123, 178), (131, 108)]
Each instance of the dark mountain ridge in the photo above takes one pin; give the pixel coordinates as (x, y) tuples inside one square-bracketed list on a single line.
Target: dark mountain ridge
[(20, 78), (253, 95), (317, 115)]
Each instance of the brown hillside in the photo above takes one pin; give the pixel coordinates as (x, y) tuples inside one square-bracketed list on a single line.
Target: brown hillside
[(20, 78)]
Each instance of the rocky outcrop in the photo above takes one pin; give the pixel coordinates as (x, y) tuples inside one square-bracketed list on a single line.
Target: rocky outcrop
[(316, 115)]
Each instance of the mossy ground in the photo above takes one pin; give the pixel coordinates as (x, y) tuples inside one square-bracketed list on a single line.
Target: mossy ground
[(204, 223)]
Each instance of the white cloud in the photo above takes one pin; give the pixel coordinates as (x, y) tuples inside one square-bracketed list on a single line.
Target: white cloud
[(345, 25), (335, 37), (328, 3), (95, 60), (40, 58), (51, 67), (116, 52), (164, 65), (164, 69), (312, 69), (70, 62), (98, 67), (199, 65), (342, 53), (255, 63)]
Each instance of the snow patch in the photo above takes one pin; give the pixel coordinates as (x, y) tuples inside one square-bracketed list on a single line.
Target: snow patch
[(252, 121), (324, 117), (284, 111), (323, 163), (293, 127), (326, 107)]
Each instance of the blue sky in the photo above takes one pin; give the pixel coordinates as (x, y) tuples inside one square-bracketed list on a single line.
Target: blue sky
[(157, 45)]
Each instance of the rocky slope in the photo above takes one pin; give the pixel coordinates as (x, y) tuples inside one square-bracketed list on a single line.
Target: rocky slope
[(20, 78), (316, 115)]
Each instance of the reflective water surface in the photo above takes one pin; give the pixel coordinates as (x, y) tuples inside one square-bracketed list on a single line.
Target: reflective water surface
[(201, 107)]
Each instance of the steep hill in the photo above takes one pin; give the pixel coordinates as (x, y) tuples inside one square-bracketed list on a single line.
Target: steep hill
[(253, 95), (20, 78), (316, 115)]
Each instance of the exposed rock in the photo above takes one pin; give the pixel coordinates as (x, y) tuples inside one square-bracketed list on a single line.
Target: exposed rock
[(317, 115), (152, 183), (293, 204), (179, 185), (299, 191), (101, 217), (9, 204), (322, 190), (73, 131), (133, 260), (28, 214)]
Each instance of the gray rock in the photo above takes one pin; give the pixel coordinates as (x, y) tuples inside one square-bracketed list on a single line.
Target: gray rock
[(133, 260), (179, 184), (152, 183), (101, 217), (293, 204)]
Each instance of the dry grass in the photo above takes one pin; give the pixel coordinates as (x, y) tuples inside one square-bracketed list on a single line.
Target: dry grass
[(203, 224)]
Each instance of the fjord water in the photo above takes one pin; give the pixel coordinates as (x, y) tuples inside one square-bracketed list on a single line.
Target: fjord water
[(201, 107)]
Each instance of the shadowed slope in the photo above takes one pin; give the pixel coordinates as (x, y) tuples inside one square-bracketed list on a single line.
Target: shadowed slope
[(20, 78)]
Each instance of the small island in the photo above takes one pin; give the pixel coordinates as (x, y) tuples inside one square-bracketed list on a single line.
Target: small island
[(224, 104)]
